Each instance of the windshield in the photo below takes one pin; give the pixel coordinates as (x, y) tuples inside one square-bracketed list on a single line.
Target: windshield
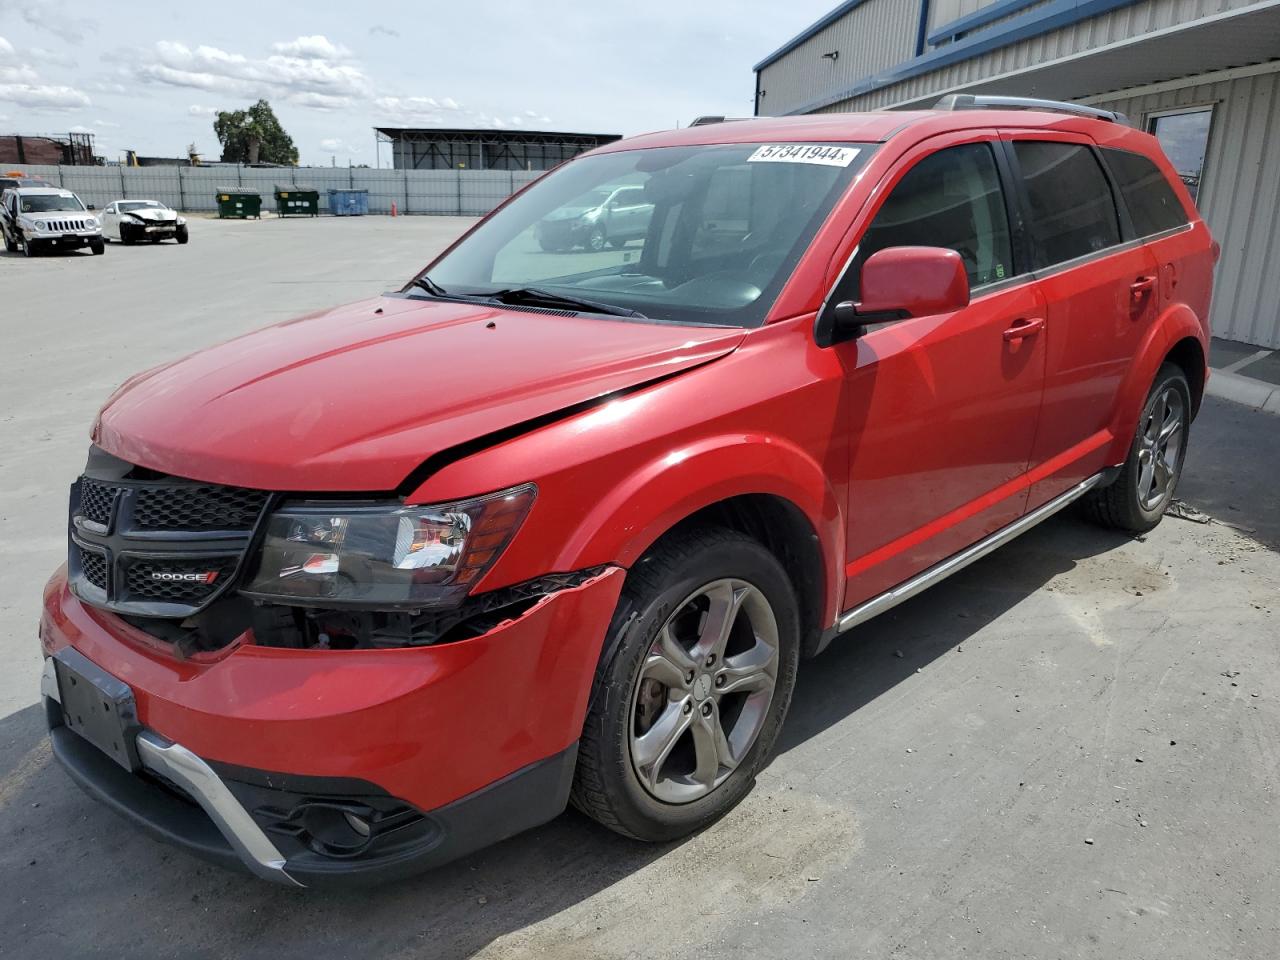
[(49, 203), (124, 206), (702, 234)]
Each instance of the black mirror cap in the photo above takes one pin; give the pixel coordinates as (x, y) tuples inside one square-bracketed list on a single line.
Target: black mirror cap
[(92, 207)]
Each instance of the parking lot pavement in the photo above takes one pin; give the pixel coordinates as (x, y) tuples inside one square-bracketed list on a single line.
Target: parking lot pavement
[(1067, 750)]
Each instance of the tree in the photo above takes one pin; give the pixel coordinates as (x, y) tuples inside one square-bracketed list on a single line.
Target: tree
[(254, 136)]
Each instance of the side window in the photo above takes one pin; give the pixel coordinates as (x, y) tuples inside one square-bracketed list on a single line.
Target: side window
[(1072, 210), (950, 199), (1151, 201)]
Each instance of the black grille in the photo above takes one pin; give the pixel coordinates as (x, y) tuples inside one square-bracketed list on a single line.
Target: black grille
[(197, 507), (94, 565), (141, 582), (95, 501)]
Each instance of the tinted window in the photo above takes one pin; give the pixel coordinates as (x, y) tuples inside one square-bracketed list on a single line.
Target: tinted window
[(1072, 210), (950, 199), (1151, 201)]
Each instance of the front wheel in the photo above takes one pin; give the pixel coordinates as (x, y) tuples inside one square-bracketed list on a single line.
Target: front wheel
[(596, 239), (1140, 495), (687, 706), (98, 247), (182, 235), (29, 248)]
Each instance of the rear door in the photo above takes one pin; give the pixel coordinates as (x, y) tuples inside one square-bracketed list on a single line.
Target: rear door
[(943, 408), (1100, 293)]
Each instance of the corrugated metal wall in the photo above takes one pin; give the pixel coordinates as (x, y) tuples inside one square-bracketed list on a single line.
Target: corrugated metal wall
[(874, 35), (1239, 196), (440, 192), (1130, 21)]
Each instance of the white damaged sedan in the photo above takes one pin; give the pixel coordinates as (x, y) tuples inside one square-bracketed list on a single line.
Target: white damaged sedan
[(136, 221)]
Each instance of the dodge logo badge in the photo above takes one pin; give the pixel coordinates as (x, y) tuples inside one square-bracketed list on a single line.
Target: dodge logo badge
[(170, 576)]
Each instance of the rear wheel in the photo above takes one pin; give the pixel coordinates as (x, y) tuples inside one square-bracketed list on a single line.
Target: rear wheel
[(10, 244), (687, 707), (1142, 492)]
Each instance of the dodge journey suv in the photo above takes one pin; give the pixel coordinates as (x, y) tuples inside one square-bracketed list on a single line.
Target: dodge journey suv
[(358, 593)]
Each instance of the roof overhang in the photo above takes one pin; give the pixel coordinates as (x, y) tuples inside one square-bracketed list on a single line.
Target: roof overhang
[(1235, 38)]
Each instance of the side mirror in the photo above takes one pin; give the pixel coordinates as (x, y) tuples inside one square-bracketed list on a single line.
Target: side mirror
[(902, 282), (92, 207)]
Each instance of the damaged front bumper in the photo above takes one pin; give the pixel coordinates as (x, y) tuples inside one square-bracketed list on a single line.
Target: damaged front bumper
[(258, 756)]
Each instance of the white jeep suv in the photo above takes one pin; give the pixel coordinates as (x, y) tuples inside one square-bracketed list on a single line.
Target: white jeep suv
[(47, 218)]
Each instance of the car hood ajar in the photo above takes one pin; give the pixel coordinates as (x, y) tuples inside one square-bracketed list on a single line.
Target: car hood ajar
[(357, 397)]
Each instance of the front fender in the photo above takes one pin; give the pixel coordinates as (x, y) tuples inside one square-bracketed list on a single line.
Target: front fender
[(665, 490), (1176, 323)]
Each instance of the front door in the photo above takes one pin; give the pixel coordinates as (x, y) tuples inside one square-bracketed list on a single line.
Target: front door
[(943, 408)]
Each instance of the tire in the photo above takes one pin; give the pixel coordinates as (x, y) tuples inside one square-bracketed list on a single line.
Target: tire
[(596, 240), (1138, 499), (676, 794), (182, 235), (126, 235), (99, 247), (29, 248), (617, 243), (10, 244)]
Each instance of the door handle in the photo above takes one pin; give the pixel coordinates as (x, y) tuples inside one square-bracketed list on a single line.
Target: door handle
[(1024, 328), (1142, 286)]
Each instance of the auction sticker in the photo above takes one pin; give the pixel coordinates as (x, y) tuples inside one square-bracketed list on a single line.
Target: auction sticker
[(804, 153)]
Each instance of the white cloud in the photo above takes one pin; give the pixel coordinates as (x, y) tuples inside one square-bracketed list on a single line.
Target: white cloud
[(306, 81), (196, 110), (47, 96), (52, 58), (315, 47), (6, 49), (105, 123), (378, 29), (22, 73), (337, 145), (55, 17)]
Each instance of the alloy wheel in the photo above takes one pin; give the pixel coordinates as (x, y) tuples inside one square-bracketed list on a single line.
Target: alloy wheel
[(1160, 447), (704, 691)]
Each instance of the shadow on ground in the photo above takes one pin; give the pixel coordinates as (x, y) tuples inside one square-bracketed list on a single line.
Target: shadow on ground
[(81, 883)]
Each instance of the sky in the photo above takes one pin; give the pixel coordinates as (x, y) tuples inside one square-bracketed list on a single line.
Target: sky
[(150, 76)]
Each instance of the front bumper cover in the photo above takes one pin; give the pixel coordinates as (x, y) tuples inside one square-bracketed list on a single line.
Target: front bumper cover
[(466, 743)]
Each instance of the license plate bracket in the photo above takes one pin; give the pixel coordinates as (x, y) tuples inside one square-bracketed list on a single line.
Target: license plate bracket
[(98, 707)]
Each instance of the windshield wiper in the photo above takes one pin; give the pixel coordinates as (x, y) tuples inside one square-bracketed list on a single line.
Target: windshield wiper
[(538, 297), (426, 283)]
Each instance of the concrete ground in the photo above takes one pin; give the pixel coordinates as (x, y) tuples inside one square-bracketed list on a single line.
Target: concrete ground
[(1067, 750)]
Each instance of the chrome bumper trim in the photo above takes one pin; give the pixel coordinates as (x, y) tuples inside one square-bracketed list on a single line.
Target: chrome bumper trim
[(956, 562), (176, 763)]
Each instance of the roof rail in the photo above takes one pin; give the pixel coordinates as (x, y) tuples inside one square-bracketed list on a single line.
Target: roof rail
[(706, 121), (970, 101)]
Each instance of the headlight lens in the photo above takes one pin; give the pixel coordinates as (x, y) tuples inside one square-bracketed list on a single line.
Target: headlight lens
[(182, 221), (91, 224), (391, 557), (41, 225)]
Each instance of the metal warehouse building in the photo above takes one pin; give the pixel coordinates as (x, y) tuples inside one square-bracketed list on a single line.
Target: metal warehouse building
[(1202, 75), (439, 149)]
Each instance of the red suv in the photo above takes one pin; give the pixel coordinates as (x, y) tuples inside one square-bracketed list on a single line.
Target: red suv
[(358, 593)]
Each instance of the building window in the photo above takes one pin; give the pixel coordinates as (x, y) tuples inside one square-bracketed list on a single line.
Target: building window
[(1185, 139)]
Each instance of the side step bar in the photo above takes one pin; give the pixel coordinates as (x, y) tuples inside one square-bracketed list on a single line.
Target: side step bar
[(958, 561)]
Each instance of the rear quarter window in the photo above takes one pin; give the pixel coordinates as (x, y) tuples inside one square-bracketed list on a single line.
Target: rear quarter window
[(1153, 206)]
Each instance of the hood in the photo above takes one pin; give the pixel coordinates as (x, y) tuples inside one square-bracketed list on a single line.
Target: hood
[(150, 213), (355, 398), (59, 214)]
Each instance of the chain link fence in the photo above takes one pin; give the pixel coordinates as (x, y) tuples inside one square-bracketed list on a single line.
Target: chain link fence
[(436, 192)]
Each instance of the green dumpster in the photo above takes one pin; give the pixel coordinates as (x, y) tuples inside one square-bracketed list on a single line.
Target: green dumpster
[(297, 200), (238, 202)]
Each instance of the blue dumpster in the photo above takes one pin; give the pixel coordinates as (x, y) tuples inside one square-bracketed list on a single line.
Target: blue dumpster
[(348, 203)]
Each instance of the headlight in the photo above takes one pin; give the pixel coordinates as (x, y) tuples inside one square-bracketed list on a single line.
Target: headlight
[(41, 225), (91, 224), (385, 557), (182, 221)]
